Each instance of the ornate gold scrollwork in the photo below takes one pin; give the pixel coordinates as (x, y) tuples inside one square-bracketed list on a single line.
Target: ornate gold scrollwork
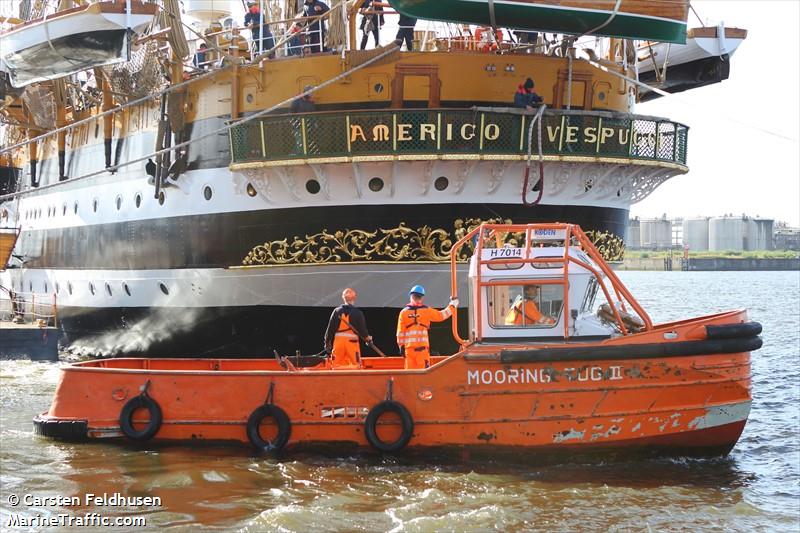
[(397, 244), (610, 246), (400, 244)]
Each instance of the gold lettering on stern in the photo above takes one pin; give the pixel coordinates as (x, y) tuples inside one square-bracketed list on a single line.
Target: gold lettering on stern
[(403, 133), (491, 132), (356, 132), (380, 133), (427, 129)]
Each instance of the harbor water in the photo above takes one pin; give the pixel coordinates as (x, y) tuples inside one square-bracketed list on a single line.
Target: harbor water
[(756, 488)]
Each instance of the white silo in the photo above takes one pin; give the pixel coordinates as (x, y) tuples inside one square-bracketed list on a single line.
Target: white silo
[(695, 233), (758, 234), (655, 233), (725, 233), (634, 234)]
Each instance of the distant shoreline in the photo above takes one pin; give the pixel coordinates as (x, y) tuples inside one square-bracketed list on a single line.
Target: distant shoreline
[(705, 262)]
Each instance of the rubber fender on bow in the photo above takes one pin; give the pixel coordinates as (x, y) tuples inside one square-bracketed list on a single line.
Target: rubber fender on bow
[(371, 423), (143, 401), (281, 420), (733, 331)]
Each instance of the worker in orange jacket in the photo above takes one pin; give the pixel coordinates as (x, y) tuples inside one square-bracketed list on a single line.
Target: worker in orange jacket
[(413, 325), (346, 327), (524, 311)]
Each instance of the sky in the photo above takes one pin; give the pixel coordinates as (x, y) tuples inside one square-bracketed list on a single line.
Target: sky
[(743, 151)]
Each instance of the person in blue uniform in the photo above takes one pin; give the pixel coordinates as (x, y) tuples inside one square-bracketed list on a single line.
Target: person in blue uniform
[(316, 29), (371, 22), (406, 31), (525, 98), (262, 36)]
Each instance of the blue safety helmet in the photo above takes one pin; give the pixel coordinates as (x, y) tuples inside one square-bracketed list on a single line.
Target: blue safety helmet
[(417, 289)]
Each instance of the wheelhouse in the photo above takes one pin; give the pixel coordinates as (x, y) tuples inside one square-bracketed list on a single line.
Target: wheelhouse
[(541, 282)]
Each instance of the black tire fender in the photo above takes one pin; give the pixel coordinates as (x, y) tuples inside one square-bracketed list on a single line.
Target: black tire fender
[(370, 426), (281, 419), (143, 401)]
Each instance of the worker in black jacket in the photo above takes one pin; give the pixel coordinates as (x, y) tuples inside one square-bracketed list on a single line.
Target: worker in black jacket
[(346, 328)]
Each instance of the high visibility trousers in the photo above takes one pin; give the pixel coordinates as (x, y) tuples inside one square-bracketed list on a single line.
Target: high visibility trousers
[(345, 353), (417, 357)]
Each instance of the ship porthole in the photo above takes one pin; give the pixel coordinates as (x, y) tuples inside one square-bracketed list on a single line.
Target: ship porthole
[(126, 288), (45, 287), (91, 288), (119, 202), (161, 198), (207, 192), (251, 191), (375, 184), (94, 205), (58, 288), (64, 210), (137, 200), (108, 289), (69, 287), (75, 208), (30, 286), (312, 186), (163, 288), (441, 183)]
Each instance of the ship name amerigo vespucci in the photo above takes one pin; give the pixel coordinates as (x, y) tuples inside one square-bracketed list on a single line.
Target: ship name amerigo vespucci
[(172, 208)]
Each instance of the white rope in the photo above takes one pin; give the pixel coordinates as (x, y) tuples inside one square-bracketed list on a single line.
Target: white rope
[(537, 119), (491, 17), (569, 81), (607, 22), (231, 125)]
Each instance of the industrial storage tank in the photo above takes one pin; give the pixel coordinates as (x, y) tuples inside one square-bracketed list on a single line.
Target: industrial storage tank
[(695, 233), (633, 238), (726, 233), (655, 233), (758, 234)]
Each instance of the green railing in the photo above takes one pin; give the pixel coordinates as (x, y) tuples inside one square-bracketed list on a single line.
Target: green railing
[(452, 132)]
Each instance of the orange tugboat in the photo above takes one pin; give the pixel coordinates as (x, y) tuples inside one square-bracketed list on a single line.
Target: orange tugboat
[(576, 379)]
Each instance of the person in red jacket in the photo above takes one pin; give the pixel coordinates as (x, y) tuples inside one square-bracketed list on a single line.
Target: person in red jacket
[(413, 325)]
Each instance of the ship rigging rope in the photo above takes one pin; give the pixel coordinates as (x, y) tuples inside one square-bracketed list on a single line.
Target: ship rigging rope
[(162, 92), (491, 17), (537, 119), (608, 21), (214, 133)]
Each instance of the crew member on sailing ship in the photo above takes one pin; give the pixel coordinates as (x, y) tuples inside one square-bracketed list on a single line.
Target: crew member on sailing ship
[(316, 30), (525, 98), (406, 32), (262, 36), (413, 325), (345, 328), (524, 311), (371, 22)]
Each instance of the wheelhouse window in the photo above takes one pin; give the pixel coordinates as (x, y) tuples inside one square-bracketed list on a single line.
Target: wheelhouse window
[(525, 306)]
